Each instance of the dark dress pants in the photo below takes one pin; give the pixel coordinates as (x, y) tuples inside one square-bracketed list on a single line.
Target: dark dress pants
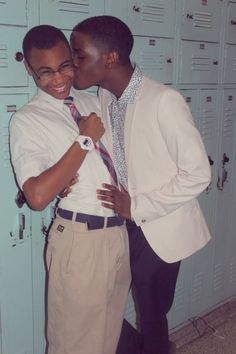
[(153, 285)]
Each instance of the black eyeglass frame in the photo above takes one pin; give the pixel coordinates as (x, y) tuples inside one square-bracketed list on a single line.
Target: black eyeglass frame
[(52, 71)]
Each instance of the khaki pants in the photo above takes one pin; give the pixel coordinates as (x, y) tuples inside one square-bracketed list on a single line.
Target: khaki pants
[(88, 284)]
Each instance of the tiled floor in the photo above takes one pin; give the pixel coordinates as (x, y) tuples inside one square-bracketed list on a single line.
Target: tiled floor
[(215, 333)]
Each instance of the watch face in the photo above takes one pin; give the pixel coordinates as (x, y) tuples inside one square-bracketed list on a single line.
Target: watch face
[(87, 142)]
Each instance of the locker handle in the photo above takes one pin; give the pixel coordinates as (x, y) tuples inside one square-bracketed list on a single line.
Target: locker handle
[(225, 159), (21, 226), (224, 173), (233, 22), (44, 229), (209, 187), (136, 9), (190, 17), (211, 162), (215, 62), (169, 60)]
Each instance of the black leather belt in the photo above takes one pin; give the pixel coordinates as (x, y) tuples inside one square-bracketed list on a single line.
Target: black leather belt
[(93, 222)]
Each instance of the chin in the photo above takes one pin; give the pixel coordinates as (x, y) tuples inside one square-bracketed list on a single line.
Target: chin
[(78, 86)]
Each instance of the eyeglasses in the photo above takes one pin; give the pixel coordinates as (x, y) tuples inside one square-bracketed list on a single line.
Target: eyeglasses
[(47, 74)]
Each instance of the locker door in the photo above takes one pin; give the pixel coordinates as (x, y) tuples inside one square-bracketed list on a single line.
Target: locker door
[(209, 130), (12, 71), (201, 274), (118, 9), (191, 98), (145, 17), (201, 19), (230, 255), (9, 15), (66, 14), (198, 63), (15, 249), (155, 57), (231, 22), (230, 64), (230, 284), (180, 310), (40, 224), (152, 18), (225, 183)]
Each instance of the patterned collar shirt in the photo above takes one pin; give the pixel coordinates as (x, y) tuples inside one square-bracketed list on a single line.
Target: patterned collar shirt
[(117, 111)]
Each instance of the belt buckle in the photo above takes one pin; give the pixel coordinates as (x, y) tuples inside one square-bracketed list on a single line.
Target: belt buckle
[(96, 223)]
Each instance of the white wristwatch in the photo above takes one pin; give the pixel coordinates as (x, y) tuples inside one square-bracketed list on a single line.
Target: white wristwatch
[(86, 143)]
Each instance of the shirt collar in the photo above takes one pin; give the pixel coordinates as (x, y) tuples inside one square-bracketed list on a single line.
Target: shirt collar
[(129, 93), (52, 100)]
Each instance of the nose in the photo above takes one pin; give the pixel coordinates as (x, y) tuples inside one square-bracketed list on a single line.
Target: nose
[(58, 77)]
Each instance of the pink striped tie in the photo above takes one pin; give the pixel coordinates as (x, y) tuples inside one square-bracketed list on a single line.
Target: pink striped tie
[(98, 146)]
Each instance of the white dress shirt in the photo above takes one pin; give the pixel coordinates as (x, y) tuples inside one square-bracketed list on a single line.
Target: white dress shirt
[(41, 132)]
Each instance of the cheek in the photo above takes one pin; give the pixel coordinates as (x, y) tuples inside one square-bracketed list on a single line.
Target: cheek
[(43, 86), (70, 77)]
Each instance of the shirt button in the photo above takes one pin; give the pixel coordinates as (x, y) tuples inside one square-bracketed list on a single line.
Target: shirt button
[(143, 220)]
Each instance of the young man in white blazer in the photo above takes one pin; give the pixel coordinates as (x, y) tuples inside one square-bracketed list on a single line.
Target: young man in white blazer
[(161, 163)]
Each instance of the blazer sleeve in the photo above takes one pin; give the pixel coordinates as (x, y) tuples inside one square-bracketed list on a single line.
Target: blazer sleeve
[(186, 150)]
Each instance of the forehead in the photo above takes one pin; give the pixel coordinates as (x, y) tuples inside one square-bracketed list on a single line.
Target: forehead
[(50, 57), (84, 41)]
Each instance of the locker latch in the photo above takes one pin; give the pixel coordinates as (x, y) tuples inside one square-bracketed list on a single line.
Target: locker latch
[(189, 16), (136, 9), (18, 229), (224, 173), (211, 162), (21, 226)]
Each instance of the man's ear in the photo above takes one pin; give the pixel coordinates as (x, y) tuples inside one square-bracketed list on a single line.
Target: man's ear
[(27, 67), (112, 59)]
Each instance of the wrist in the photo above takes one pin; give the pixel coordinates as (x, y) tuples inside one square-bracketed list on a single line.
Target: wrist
[(86, 143)]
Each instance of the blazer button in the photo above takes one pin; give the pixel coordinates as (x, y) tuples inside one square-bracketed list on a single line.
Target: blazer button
[(143, 220)]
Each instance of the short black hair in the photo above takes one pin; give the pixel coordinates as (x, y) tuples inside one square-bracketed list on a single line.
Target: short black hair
[(42, 37), (110, 32)]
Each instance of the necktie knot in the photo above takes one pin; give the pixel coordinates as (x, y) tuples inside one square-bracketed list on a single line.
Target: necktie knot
[(68, 100)]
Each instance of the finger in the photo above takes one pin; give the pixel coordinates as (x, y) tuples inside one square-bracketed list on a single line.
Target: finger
[(106, 198), (92, 114), (105, 192), (108, 206), (74, 180), (109, 187), (83, 117), (65, 193)]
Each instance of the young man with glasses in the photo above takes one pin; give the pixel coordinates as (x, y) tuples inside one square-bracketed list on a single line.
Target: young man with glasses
[(87, 250)]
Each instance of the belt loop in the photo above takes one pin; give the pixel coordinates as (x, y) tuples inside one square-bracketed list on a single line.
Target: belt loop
[(74, 216), (105, 222)]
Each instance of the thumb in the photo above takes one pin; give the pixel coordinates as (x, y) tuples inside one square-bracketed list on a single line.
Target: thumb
[(84, 117)]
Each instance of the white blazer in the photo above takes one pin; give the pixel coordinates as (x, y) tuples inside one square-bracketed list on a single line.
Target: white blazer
[(167, 169)]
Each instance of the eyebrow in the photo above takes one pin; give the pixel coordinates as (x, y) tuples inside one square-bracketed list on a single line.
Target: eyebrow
[(49, 68)]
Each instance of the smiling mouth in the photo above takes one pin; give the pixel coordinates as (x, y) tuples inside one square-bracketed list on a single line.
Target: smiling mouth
[(60, 89)]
